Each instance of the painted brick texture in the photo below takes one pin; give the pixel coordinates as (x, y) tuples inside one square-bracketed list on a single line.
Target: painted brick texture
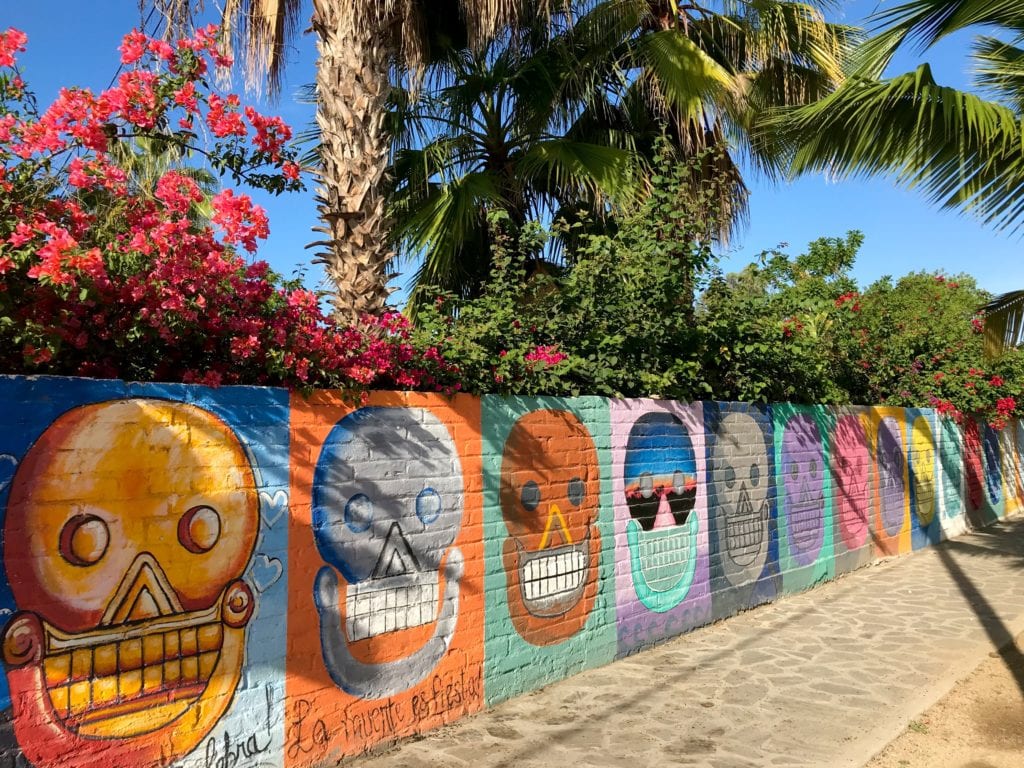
[(239, 577)]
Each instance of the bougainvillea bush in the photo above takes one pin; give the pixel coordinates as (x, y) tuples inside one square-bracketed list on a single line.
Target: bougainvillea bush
[(919, 341), (106, 274)]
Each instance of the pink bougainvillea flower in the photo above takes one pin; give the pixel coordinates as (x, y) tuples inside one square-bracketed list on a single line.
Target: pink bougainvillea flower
[(12, 41)]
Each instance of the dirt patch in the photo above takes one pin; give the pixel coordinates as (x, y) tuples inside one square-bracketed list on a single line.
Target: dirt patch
[(979, 724)]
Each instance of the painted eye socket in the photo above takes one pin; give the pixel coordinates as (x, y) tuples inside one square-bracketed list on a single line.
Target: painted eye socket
[(576, 491), (812, 467), (794, 471), (755, 475), (679, 481), (530, 495), (359, 513), (84, 540), (199, 529), (428, 506), (730, 477)]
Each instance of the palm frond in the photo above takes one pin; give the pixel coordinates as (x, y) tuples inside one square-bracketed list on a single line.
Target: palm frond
[(999, 70), (586, 170), (963, 151), (681, 74)]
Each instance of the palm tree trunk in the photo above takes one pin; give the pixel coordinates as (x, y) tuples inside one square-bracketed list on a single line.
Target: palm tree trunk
[(352, 86)]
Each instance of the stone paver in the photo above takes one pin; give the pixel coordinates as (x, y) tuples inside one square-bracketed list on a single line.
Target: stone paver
[(824, 678)]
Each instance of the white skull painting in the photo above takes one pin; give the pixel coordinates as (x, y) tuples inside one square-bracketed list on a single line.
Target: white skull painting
[(387, 506)]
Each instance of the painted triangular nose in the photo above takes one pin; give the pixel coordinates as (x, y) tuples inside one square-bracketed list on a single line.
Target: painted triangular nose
[(144, 607), (396, 566), (664, 518), (144, 593), (396, 556), (551, 529)]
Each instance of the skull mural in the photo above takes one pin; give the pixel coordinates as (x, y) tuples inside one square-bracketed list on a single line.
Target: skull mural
[(973, 465), (851, 461), (1008, 451), (660, 482), (922, 470), (129, 526), (993, 468), (739, 464), (1018, 461), (891, 466), (549, 495), (803, 474), (387, 506), (951, 487)]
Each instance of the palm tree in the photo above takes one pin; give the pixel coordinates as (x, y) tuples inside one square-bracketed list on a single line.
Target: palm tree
[(706, 74), (545, 125), (962, 149), (489, 139), (361, 45)]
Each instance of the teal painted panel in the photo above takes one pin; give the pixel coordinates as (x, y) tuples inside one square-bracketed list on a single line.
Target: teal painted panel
[(549, 541), (803, 487)]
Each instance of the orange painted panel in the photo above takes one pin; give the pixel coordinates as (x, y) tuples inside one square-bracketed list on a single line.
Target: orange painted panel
[(890, 494), (385, 625)]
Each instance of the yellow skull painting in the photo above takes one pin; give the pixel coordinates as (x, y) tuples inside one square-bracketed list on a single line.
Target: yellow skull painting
[(128, 528)]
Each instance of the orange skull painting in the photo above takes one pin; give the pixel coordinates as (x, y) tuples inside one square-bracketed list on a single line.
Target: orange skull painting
[(550, 488), (128, 528)]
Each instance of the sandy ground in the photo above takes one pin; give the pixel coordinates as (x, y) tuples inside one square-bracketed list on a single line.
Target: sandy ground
[(979, 724)]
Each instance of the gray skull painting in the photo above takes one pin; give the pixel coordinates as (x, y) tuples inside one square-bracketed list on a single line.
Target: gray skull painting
[(387, 506)]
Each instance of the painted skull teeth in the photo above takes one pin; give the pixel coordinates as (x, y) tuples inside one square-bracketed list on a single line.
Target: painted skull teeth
[(745, 531), (663, 555), (553, 580), (390, 604), (805, 524), (93, 676)]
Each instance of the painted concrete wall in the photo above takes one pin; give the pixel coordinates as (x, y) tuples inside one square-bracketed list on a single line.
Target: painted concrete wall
[(236, 577)]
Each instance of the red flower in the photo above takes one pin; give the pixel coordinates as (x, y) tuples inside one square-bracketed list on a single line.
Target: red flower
[(12, 41), (133, 47)]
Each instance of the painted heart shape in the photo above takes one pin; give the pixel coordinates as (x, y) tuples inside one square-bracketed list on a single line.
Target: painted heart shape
[(272, 508), (266, 571), (8, 464)]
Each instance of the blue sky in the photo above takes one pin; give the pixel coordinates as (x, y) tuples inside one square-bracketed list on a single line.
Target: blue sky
[(76, 42)]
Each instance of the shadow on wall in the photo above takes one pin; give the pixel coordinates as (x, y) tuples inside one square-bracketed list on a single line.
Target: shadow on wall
[(202, 577)]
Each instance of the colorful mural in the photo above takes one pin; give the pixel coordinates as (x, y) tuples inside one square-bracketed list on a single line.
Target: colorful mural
[(951, 487), (144, 571), (891, 498), (975, 473), (234, 577), (922, 466), (852, 478), (549, 539), (804, 491), (741, 493), (1010, 469), (661, 525), (386, 526), (993, 499), (1019, 459)]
